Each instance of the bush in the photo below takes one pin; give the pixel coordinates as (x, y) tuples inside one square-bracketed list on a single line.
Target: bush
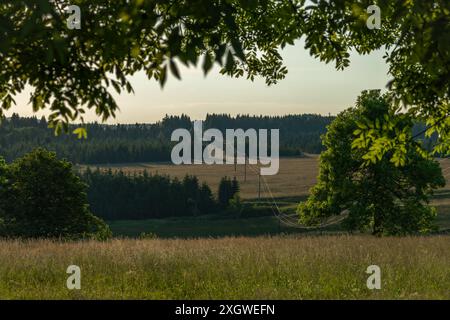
[(41, 197), (227, 189)]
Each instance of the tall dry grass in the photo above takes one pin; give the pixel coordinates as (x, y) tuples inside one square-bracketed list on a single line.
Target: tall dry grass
[(295, 177), (326, 267)]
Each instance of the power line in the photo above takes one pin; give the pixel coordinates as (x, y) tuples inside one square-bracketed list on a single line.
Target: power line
[(429, 127)]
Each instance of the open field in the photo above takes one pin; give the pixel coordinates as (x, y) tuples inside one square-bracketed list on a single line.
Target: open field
[(295, 177), (207, 226), (287, 189), (229, 268), (219, 226)]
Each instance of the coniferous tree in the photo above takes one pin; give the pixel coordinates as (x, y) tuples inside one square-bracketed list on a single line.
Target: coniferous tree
[(145, 196), (225, 192), (235, 188), (149, 142)]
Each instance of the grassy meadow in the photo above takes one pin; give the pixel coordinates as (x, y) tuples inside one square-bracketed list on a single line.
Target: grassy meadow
[(282, 191), (294, 179), (221, 257), (325, 267)]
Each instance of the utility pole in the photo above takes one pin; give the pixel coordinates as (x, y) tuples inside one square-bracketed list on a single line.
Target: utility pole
[(259, 187), (245, 168)]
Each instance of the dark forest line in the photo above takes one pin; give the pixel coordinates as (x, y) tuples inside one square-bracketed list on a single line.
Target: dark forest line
[(150, 142), (128, 143)]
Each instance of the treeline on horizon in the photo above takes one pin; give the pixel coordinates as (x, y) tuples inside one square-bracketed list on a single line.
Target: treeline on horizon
[(123, 143)]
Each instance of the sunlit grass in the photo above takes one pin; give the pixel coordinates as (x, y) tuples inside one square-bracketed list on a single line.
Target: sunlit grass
[(326, 267)]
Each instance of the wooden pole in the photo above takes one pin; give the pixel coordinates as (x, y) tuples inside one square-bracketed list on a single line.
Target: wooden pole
[(245, 169), (259, 187)]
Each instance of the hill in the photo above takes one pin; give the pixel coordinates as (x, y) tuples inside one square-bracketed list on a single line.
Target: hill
[(150, 142)]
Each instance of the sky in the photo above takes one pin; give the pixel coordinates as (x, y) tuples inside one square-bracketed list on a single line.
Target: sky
[(311, 86)]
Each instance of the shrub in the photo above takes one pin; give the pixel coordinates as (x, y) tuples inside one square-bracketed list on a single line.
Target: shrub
[(41, 197)]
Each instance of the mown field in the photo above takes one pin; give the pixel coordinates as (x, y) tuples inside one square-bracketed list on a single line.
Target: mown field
[(326, 267), (282, 192), (294, 179)]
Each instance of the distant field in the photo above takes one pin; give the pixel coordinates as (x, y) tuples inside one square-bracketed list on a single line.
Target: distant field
[(229, 268), (296, 175), (220, 226), (288, 188), (295, 178), (210, 226)]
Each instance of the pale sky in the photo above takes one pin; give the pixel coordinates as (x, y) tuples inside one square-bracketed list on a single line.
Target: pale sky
[(311, 86)]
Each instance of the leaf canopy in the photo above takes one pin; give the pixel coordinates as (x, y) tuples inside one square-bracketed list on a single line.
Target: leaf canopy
[(70, 71)]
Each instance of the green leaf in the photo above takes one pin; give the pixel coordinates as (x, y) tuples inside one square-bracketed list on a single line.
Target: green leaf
[(80, 132), (174, 69), (207, 64), (163, 76), (230, 62)]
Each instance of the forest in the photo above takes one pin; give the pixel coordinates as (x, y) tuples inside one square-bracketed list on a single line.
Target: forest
[(149, 196), (123, 143)]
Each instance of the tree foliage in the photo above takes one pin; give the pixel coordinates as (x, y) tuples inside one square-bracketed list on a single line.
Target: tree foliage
[(71, 70), (380, 195), (146, 196), (227, 190), (40, 196), (147, 142)]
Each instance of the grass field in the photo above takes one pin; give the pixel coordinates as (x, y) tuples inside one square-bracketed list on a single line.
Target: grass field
[(326, 267), (186, 262), (295, 177), (285, 190), (219, 226), (210, 226)]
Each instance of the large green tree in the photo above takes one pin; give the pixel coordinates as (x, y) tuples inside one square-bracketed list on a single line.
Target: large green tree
[(41, 196), (3, 185), (71, 70), (380, 196)]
